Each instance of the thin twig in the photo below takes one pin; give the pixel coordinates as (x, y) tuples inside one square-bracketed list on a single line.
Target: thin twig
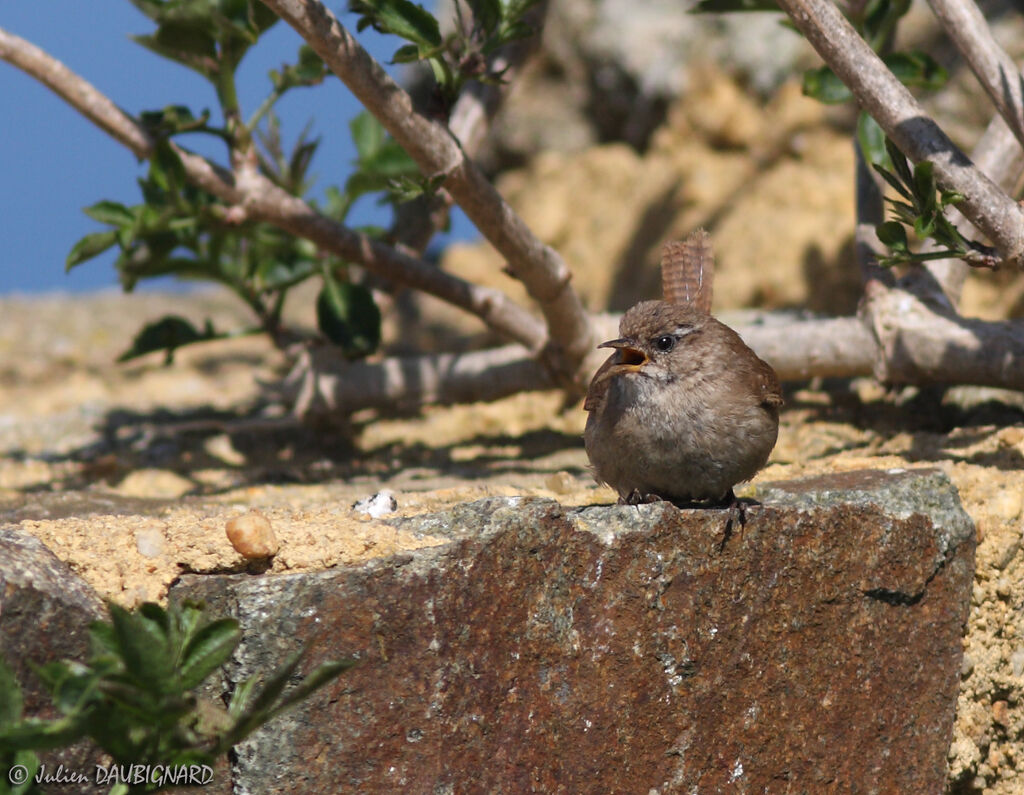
[(542, 271), (260, 198), (998, 74), (906, 123), (999, 155)]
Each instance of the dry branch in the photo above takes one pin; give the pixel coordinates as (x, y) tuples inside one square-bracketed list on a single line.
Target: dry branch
[(919, 343), (323, 383), (436, 152), (995, 70), (903, 119)]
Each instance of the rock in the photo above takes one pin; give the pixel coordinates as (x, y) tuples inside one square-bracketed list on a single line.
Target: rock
[(154, 484), (45, 611), (252, 535), (816, 646)]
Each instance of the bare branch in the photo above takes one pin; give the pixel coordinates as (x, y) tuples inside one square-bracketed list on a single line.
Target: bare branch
[(905, 122), (995, 70), (923, 344), (430, 144), (262, 199), (324, 383)]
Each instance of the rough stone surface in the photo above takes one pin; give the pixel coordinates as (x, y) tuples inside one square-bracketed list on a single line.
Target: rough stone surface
[(815, 647)]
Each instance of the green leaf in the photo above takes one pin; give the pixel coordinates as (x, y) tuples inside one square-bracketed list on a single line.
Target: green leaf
[(917, 69), (348, 317), (168, 334), (240, 698), (186, 38), (110, 212), (10, 695), (486, 13), (950, 197), (102, 638), (260, 705), (400, 17), (208, 650), (893, 235), (367, 135), (899, 162), (27, 760), (825, 86), (893, 180), (142, 642), (924, 225), (39, 735), (317, 678), (924, 185), (871, 139), (90, 246), (408, 53)]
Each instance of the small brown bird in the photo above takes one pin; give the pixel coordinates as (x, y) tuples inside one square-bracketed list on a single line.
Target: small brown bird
[(682, 410)]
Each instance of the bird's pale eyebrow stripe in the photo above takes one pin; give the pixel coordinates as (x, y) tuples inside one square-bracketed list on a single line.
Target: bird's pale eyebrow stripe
[(682, 331)]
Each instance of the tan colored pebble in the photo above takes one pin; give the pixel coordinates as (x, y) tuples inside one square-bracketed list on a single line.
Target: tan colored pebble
[(1001, 713), (251, 535), (560, 482)]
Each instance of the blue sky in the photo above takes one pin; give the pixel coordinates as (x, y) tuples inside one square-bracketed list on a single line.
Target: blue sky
[(53, 162)]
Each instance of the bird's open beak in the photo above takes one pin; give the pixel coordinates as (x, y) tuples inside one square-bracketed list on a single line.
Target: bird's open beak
[(630, 358)]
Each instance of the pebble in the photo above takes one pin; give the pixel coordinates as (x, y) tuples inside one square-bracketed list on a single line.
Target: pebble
[(1017, 661), (154, 484), (221, 447), (252, 536), (560, 482)]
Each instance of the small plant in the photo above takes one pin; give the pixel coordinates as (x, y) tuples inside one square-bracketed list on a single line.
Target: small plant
[(459, 56), (182, 230), (135, 699), (923, 211)]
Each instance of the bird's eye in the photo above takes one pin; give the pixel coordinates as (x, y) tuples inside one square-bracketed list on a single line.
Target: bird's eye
[(665, 343)]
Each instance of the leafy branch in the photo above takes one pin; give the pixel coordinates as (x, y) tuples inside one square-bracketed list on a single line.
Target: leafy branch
[(135, 696), (922, 209)]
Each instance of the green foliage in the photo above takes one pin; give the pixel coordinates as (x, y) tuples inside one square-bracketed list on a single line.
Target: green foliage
[(183, 231), (134, 696), (455, 58), (348, 317), (915, 69), (921, 206)]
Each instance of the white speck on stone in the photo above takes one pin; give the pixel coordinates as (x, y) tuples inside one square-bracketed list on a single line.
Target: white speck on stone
[(380, 504), (1017, 661), (737, 771), (896, 471), (149, 542)]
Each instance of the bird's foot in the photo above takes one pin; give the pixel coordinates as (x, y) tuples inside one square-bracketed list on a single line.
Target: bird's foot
[(736, 515), (636, 498)]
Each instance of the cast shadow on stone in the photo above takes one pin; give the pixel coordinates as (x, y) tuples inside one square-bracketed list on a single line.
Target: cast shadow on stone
[(262, 450)]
